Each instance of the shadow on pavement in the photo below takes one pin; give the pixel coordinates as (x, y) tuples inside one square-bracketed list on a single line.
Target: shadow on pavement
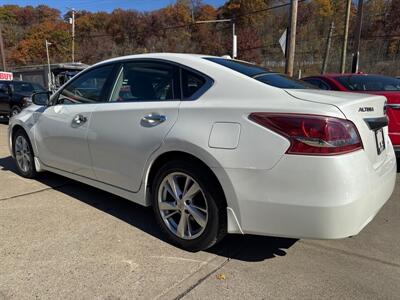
[(51, 180), (252, 248), (240, 247), (246, 248)]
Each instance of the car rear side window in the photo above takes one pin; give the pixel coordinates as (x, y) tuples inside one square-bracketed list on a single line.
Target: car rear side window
[(191, 83), (261, 74)]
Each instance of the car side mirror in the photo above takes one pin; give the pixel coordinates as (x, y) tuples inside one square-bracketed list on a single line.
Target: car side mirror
[(41, 98)]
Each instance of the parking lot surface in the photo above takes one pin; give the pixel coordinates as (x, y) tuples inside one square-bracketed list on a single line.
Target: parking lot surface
[(63, 239)]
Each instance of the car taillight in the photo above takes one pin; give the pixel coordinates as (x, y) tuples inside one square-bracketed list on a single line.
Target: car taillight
[(312, 134)]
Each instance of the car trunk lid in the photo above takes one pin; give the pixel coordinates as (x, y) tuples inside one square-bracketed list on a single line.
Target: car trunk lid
[(367, 112)]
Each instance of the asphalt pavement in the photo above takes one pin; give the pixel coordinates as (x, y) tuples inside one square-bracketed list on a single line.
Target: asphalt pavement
[(60, 239)]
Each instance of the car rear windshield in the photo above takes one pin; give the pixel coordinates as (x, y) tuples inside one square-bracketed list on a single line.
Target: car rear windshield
[(261, 74), (369, 83)]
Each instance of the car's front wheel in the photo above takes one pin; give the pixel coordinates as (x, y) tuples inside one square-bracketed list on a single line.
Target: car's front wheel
[(189, 205), (15, 111), (23, 153)]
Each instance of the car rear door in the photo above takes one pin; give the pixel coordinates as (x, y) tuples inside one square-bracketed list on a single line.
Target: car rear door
[(124, 132), (61, 130)]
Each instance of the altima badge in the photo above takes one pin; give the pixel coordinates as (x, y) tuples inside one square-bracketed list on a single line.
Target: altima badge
[(366, 109)]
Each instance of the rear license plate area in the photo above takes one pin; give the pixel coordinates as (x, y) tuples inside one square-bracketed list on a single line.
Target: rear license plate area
[(380, 141)]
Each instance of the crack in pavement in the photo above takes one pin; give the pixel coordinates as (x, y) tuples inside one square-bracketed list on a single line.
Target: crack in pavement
[(201, 280), (35, 192), (200, 275)]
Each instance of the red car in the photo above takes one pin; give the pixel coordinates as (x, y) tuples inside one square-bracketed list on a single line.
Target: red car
[(369, 84)]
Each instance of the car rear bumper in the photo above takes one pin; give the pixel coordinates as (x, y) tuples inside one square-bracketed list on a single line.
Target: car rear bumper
[(313, 197)]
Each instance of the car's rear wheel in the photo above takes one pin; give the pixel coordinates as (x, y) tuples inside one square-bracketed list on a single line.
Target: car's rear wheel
[(189, 205), (15, 110), (23, 153)]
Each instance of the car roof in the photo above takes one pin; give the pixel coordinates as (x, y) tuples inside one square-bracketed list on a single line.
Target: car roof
[(165, 55), (194, 61)]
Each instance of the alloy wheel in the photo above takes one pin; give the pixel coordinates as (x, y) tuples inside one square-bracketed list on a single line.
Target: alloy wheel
[(182, 205), (23, 154)]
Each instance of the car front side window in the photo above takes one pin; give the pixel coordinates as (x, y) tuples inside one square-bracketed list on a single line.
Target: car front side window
[(88, 88)]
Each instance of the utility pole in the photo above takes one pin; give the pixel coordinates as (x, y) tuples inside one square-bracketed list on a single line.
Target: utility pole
[(3, 55), (345, 37), (292, 38), (73, 35), (192, 11), (49, 81), (234, 41), (328, 47), (357, 37)]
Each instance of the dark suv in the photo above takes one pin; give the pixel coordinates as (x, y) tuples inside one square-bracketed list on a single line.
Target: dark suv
[(16, 95)]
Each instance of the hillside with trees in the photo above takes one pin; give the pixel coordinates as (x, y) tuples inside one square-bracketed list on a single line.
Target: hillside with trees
[(259, 25)]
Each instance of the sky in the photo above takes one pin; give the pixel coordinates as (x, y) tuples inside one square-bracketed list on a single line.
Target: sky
[(102, 5)]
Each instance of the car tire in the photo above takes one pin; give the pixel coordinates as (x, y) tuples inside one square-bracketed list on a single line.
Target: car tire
[(23, 153), (15, 110), (203, 212)]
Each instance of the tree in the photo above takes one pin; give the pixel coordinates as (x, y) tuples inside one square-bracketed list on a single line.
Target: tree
[(31, 49)]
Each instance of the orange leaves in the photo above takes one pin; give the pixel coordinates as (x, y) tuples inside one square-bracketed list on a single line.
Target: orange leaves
[(31, 48)]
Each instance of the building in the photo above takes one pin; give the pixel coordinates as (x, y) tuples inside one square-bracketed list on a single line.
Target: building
[(60, 73)]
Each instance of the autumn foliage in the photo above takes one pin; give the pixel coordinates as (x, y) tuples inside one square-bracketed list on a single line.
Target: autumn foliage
[(103, 35)]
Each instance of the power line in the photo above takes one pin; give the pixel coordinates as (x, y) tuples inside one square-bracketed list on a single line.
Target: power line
[(239, 15)]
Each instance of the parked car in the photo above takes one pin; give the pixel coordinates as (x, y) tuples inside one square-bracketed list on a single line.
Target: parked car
[(214, 145), (370, 84), (16, 95)]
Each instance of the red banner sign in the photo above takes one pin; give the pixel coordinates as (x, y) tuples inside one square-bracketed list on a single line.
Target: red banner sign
[(6, 76)]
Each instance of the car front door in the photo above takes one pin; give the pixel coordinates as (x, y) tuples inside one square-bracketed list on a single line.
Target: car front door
[(123, 133), (61, 130)]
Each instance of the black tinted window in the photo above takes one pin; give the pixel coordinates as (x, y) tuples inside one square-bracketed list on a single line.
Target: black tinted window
[(261, 74), (369, 83), (283, 81), (317, 83), (87, 88), (22, 87), (239, 66), (38, 87), (4, 87), (191, 83), (142, 81)]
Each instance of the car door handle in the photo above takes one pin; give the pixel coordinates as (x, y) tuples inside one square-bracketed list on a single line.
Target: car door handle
[(79, 120), (153, 119), (393, 106)]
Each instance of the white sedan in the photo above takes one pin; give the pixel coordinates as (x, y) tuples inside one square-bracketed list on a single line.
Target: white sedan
[(215, 146)]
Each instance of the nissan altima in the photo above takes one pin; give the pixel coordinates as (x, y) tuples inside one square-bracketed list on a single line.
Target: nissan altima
[(215, 146)]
